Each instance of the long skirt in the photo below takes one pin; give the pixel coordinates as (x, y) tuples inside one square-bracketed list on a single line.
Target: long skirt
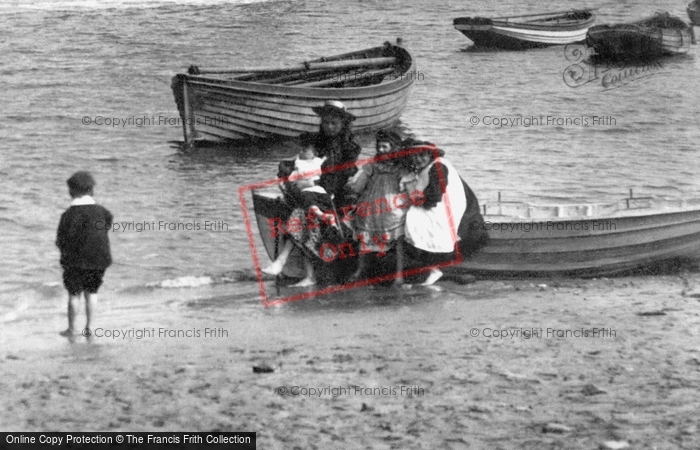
[(312, 235)]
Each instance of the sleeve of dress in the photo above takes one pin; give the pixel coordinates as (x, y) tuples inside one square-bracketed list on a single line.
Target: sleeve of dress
[(353, 151), (434, 190), (358, 182), (350, 154)]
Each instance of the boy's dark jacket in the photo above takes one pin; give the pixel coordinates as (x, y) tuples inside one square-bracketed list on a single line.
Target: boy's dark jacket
[(83, 237)]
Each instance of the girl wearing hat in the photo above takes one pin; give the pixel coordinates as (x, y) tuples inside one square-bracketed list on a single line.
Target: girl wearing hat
[(450, 210), (377, 183), (337, 144)]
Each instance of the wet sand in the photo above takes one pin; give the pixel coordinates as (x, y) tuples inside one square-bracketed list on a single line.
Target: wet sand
[(636, 381)]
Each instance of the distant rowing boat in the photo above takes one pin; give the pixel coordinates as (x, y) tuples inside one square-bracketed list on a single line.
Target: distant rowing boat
[(658, 35), (569, 240), (265, 102), (527, 31)]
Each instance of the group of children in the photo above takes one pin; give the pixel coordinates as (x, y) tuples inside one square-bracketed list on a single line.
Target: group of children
[(401, 167), (429, 228)]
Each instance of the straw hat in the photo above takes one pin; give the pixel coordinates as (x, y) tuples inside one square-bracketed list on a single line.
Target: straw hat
[(334, 108), (410, 143)]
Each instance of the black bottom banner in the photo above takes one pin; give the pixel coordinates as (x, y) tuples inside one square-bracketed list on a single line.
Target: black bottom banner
[(141, 440)]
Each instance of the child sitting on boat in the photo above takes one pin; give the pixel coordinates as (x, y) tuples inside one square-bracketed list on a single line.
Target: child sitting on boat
[(306, 175), (309, 201)]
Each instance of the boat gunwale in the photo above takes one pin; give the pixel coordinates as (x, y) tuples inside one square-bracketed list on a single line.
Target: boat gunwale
[(463, 23), (513, 26), (637, 29), (687, 206), (398, 83), (642, 23), (586, 262), (304, 92)]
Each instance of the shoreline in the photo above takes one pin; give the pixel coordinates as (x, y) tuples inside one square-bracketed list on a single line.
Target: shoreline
[(442, 386)]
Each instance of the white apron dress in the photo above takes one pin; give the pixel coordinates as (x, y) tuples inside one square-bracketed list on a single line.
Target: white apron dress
[(433, 230)]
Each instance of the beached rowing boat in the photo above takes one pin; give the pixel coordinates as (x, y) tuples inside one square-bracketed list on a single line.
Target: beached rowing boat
[(265, 102), (527, 31), (658, 35), (693, 10), (587, 240), (571, 240)]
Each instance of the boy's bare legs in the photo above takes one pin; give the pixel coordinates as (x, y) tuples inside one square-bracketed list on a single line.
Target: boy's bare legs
[(90, 300), (310, 279), (278, 265), (73, 301)]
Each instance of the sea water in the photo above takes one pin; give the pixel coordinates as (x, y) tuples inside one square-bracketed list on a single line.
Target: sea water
[(86, 86)]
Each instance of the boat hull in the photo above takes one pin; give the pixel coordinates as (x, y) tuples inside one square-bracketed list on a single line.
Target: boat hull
[(637, 41), (273, 207), (491, 33), (215, 109), (590, 247), (555, 246)]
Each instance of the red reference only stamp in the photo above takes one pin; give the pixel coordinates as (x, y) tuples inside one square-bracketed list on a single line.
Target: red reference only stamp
[(298, 225)]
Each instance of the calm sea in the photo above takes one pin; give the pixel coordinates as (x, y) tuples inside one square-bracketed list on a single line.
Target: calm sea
[(70, 61)]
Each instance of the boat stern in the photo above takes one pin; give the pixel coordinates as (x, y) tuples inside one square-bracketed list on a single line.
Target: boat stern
[(183, 101)]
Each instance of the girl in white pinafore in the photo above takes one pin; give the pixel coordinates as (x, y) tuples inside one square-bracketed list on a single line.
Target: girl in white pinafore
[(431, 227)]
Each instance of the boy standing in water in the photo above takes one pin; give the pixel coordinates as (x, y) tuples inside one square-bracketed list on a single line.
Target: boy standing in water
[(84, 244)]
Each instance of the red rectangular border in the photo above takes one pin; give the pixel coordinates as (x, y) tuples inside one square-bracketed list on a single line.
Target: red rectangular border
[(265, 184)]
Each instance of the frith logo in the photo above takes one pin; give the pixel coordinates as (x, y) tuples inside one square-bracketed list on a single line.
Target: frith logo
[(610, 75)]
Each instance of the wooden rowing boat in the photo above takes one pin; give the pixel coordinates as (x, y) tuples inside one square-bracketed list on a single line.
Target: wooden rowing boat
[(587, 240), (658, 35), (266, 102), (571, 240), (527, 31), (693, 10)]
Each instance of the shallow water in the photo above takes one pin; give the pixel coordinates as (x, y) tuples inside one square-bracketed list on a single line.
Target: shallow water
[(73, 60)]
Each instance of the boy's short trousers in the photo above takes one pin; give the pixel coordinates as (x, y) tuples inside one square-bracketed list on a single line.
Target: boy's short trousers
[(77, 280)]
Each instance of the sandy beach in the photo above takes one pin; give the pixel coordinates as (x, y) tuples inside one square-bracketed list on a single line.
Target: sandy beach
[(495, 364), (608, 362)]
